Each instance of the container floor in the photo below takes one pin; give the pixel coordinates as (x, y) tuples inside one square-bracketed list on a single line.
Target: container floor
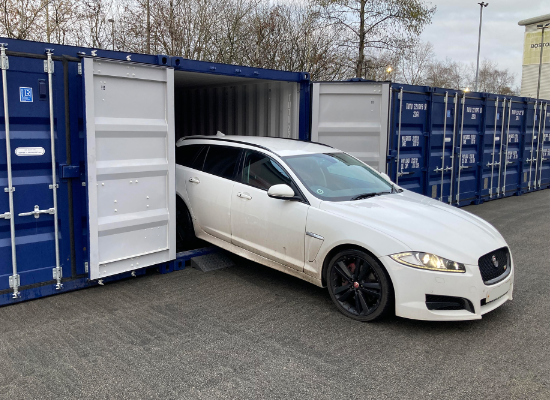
[(249, 332)]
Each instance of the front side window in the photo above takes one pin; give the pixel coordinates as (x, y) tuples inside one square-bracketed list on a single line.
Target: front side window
[(262, 172), (337, 176), (221, 161)]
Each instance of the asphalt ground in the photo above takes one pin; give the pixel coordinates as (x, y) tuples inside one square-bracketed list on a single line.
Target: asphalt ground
[(248, 332)]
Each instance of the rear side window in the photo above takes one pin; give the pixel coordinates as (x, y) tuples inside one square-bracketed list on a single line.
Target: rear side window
[(185, 155), (262, 172), (221, 161)]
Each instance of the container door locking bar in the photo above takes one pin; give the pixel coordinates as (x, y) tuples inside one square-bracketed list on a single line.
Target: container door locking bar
[(443, 169), (492, 163), (538, 155), (455, 119), (461, 167), (541, 144), (14, 279), (48, 67), (506, 162), (400, 96), (532, 158)]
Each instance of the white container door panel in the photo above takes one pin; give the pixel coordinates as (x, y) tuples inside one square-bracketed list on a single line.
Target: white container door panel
[(353, 117), (130, 165)]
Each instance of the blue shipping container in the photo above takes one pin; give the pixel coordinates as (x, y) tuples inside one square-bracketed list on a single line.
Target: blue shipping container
[(466, 148), (48, 235)]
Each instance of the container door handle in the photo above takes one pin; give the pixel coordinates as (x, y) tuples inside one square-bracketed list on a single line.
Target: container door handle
[(6, 215), (37, 211), (194, 180)]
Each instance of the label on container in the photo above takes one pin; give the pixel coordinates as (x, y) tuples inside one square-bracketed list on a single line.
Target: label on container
[(468, 159), (512, 155), (25, 95), (409, 138), (29, 151), (471, 138), (409, 163)]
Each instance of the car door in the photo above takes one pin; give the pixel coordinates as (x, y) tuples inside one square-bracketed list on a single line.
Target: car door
[(209, 186), (270, 227)]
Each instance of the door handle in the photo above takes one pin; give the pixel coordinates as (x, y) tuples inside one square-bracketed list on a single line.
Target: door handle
[(6, 215), (37, 211), (244, 196), (194, 180)]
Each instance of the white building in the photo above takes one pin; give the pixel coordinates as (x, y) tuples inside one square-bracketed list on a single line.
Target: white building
[(531, 58)]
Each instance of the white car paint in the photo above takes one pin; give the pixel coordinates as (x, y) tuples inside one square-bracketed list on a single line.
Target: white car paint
[(296, 238)]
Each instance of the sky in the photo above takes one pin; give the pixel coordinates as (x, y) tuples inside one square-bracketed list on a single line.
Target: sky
[(455, 27)]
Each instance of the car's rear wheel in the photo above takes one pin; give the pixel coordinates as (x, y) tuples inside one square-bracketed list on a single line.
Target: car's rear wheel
[(359, 285), (185, 233)]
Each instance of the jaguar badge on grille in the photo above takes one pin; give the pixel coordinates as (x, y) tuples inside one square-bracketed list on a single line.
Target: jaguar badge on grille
[(495, 261)]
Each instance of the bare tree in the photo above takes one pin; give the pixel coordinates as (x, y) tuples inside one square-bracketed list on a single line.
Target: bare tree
[(414, 62), (492, 79), (377, 24)]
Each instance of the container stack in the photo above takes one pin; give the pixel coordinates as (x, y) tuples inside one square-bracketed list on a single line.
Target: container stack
[(465, 148)]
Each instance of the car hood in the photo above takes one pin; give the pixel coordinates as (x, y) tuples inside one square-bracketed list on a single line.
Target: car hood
[(423, 224)]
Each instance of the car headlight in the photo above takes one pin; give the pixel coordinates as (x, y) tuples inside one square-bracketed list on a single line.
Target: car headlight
[(429, 261)]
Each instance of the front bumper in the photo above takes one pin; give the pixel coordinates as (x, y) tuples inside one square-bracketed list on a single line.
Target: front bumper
[(411, 285)]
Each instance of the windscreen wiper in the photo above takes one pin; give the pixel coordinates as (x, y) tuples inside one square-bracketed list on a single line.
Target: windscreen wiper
[(367, 195)]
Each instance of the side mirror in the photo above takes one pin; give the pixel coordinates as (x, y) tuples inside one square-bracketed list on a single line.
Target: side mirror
[(283, 192)]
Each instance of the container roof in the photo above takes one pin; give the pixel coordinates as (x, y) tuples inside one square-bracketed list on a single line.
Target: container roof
[(534, 20)]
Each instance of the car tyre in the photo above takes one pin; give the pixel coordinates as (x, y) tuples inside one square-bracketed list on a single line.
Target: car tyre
[(185, 233), (359, 286)]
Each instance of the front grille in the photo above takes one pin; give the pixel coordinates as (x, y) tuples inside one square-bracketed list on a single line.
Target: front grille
[(490, 272), (437, 302)]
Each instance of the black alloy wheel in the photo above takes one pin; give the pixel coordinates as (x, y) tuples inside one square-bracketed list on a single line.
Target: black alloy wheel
[(185, 233), (359, 286)]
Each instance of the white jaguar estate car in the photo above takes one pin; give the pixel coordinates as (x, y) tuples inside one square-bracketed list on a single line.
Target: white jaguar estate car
[(319, 214)]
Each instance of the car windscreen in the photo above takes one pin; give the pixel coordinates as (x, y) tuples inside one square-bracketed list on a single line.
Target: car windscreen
[(337, 176)]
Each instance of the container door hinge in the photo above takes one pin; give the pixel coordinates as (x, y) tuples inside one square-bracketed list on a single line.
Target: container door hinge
[(56, 186), (7, 190), (4, 62), (14, 281), (50, 64), (79, 68), (86, 268)]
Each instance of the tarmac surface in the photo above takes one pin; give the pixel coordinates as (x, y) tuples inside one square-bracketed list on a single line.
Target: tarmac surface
[(249, 332)]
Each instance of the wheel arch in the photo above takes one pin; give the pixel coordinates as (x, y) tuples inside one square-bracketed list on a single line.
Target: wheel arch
[(349, 246), (182, 198)]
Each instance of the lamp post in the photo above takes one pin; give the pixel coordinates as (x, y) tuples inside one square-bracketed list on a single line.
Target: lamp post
[(388, 72), (543, 27), (482, 4), (112, 21)]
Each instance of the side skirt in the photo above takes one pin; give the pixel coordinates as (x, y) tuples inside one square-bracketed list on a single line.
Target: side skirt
[(256, 258)]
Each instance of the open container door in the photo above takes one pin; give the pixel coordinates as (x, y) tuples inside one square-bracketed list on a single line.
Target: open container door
[(353, 117), (130, 165)]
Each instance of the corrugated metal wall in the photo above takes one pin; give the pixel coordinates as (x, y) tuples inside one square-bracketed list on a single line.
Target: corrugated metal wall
[(254, 109), (489, 146)]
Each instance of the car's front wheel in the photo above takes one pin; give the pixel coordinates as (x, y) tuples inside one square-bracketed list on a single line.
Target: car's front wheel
[(359, 285)]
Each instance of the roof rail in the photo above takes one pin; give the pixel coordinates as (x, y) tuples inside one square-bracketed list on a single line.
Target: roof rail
[(228, 138)]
